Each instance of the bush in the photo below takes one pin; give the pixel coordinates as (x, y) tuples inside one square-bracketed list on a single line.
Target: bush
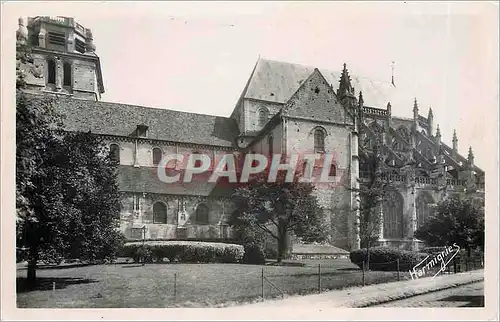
[(253, 254), (385, 258), (433, 249), (184, 251)]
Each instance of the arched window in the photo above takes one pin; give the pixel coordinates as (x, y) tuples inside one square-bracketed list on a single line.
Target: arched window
[(270, 145), (159, 213), (424, 203), (67, 74), (51, 72), (114, 153), (202, 214), (263, 116), (157, 155), (333, 170), (393, 215), (319, 140)]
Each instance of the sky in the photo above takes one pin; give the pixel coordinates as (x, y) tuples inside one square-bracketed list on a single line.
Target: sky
[(197, 57)]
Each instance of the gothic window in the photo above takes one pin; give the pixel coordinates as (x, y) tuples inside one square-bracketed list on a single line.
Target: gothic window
[(319, 140), (393, 215), (270, 144), (404, 133), (114, 153), (159, 213), (424, 210), (67, 74), (157, 154), (263, 116), (51, 71), (202, 212)]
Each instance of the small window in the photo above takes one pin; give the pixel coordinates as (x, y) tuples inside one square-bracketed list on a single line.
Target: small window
[(67, 74), (333, 170), (319, 140), (202, 212), (142, 131), (114, 153), (159, 213), (157, 155), (80, 46), (137, 204), (263, 116), (197, 162), (51, 71), (57, 38)]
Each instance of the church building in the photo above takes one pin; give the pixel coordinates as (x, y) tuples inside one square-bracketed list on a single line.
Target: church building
[(284, 108)]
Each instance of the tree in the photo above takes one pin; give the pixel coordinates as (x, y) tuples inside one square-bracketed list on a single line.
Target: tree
[(67, 198), (459, 219), (277, 209), (371, 195)]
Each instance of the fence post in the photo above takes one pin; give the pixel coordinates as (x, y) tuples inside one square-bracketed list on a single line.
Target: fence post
[(397, 266), (319, 278), (466, 264), (262, 284), (363, 273), (175, 286)]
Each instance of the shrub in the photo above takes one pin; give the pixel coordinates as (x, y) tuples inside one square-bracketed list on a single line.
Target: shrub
[(385, 258), (253, 254), (184, 251), (433, 250)]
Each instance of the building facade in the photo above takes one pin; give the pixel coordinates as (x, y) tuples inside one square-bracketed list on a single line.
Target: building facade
[(284, 108)]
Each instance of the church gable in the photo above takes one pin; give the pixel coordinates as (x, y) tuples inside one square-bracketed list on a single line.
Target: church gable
[(315, 99)]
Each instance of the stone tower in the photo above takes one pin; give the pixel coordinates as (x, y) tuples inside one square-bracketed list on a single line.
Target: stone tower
[(64, 59)]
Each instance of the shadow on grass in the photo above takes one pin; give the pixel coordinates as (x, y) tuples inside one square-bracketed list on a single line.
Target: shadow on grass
[(473, 300), (47, 283)]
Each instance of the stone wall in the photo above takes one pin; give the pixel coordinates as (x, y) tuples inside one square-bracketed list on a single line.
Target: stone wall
[(181, 223)]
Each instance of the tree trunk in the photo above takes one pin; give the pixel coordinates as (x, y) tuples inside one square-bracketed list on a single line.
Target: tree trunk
[(368, 256), (282, 242), (31, 273)]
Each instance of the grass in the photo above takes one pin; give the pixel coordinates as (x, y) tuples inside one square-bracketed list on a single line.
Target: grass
[(197, 285)]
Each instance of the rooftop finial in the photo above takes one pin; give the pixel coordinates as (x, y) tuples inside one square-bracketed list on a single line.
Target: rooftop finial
[(415, 110), (438, 131), (360, 99), (430, 114), (22, 32), (455, 141), (470, 157), (392, 77), (345, 87)]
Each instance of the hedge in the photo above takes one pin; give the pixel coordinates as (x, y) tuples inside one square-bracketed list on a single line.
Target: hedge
[(183, 251), (385, 258)]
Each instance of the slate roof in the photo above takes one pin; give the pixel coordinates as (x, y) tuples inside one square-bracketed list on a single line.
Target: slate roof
[(122, 120), (276, 81)]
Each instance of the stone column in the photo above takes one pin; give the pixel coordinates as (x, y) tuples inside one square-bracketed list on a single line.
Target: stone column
[(41, 36), (59, 74), (355, 202), (412, 225)]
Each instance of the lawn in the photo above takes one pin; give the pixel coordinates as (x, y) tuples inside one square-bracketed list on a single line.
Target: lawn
[(197, 285)]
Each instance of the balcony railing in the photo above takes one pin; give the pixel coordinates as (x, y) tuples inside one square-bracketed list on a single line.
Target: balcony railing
[(374, 111), (456, 182)]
